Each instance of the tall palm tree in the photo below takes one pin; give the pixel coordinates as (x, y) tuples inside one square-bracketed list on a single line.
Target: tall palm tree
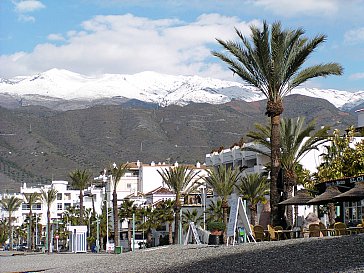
[(223, 180), (31, 199), (253, 187), (117, 173), (10, 205), (178, 179), (126, 212), (80, 180), (296, 139), (272, 61), (167, 216), (48, 197)]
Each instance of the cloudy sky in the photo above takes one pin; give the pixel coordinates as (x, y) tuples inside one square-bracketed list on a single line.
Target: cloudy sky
[(172, 36)]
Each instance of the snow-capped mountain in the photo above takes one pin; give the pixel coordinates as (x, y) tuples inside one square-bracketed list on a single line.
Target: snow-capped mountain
[(151, 87)]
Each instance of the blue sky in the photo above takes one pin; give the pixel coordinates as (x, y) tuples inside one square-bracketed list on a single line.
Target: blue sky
[(173, 37)]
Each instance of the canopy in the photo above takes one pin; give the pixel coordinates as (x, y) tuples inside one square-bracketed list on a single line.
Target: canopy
[(326, 197), (301, 198), (354, 194)]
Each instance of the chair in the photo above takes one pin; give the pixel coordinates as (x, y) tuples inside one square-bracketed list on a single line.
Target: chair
[(258, 233), (278, 228), (272, 233), (323, 229), (341, 229), (314, 230)]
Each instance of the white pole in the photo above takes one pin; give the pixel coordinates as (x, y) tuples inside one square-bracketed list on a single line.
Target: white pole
[(36, 230)]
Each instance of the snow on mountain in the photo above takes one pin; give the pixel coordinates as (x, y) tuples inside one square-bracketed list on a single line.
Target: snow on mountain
[(152, 87)]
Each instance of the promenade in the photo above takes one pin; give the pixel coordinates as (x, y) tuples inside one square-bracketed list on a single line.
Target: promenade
[(329, 254)]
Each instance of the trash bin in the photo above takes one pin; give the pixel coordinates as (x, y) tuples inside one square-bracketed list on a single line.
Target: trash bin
[(118, 249)]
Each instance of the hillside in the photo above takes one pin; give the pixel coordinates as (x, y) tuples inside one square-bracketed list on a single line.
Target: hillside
[(38, 144)]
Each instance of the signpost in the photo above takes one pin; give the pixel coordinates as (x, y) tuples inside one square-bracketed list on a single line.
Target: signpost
[(192, 231), (238, 214)]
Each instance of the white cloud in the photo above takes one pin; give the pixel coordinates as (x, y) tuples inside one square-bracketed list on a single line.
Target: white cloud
[(26, 18), (28, 6), (129, 44), (55, 37), (357, 76), (289, 8), (354, 35)]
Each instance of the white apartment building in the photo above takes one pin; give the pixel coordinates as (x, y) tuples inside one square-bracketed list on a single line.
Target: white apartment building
[(65, 198)]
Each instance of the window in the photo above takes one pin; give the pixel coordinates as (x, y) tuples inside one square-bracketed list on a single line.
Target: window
[(59, 196), (37, 207), (67, 196), (128, 186), (25, 206), (67, 206), (59, 206)]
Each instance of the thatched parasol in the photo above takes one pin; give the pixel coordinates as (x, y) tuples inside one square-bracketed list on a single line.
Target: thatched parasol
[(326, 197), (354, 194), (301, 198)]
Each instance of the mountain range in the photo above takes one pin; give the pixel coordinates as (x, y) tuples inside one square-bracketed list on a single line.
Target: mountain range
[(65, 90), (58, 121)]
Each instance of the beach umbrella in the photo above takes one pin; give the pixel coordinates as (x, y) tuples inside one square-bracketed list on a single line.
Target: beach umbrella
[(301, 198), (326, 197), (354, 194)]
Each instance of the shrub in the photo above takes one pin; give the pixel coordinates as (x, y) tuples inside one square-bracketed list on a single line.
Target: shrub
[(215, 226)]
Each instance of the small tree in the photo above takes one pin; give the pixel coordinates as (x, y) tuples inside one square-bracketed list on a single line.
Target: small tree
[(80, 180), (126, 212), (117, 173), (10, 205), (178, 179), (223, 180), (31, 199), (48, 197), (253, 187)]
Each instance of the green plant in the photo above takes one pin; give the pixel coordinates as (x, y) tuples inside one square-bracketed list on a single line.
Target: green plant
[(211, 226)]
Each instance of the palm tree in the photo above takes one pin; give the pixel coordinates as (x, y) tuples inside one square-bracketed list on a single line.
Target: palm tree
[(223, 180), (3, 231), (296, 141), (117, 173), (152, 221), (214, 211), (10, 205), (31, 199), (80, 180), (48, 197), (191, 216), (126, 212), (272, 61), (253, 187), (178, 179), (167, 215)]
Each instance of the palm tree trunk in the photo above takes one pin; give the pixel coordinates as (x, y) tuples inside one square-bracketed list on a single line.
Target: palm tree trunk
[(10, 232), (276, 164), (49, 231), (149, 237), (225, 207), (129, 234), (331, 213), (176, 224), (31, 239), (81, 207), (289, 209), (116, 217), (170, 233), (253, 214)]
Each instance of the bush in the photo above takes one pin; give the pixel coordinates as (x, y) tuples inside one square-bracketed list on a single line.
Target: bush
[(215, 226)]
